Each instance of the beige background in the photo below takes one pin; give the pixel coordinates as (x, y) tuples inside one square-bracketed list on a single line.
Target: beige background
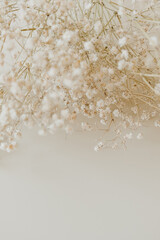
[(58, 188)]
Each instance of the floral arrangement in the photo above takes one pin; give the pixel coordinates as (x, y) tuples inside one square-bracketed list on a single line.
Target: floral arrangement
[(86, 64)]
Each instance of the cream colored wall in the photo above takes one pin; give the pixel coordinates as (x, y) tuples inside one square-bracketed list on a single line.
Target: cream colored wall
[(59, 189)]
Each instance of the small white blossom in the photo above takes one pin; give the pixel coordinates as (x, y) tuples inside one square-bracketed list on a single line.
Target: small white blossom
[(129, 135), (108, 110), (157, 89), (52, 72), (116, 113), (67, 36), (3, 146), (68, 83), (124, 54), (114, 50), (100, 103), (87, 6), (99, 146), (88, 46), (139, 136), (104, 122), (42, 132), (15, 89), (13, 114), (121, 11), (89, 94), (153, 41), (76, 72), (98, 27), (121, 64), (59, 43), (122, 41), (93, 57), (157, 123)]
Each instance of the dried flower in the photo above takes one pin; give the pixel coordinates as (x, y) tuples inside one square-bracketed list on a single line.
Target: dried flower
[(62, 59), (122, 41)]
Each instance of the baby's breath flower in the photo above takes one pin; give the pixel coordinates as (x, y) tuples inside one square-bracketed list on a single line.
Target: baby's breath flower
[(122, 41), (100, 103), (41, 132), (157, 89), (62, 61), (129, 135), (67, 36), (98, 27), (121, 64), (68, 83), (124, 54), (114, 50), (121, 11), (116, 113), (139, 136), (87, 6), (157, 123), (88, 46), (99, 146), (153, 41)]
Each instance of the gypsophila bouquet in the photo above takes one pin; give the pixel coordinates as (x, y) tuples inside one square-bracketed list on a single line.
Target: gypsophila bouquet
[(87, 64)]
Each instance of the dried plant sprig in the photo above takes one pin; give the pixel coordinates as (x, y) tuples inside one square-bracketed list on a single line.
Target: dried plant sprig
[(90, 62)]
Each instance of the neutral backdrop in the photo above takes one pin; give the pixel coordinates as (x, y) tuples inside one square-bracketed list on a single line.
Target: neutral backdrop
[(58, 188)]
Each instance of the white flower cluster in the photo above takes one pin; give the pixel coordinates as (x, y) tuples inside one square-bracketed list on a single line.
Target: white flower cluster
[(61, 60)]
